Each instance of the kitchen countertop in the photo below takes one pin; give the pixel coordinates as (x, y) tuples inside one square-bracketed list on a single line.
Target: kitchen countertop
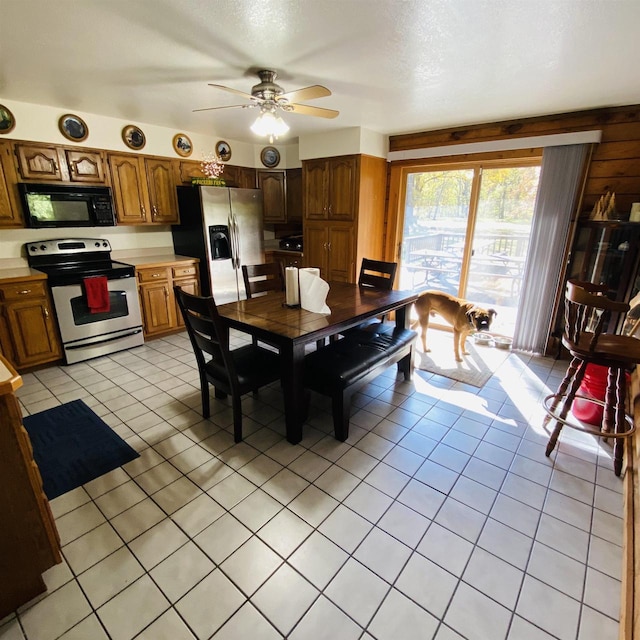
[(156, 260), (16, 274)]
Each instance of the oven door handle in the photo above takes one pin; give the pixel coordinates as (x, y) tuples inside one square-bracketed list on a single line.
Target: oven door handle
[(93, 344)]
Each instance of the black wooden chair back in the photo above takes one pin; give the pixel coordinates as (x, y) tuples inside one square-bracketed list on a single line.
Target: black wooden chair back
[(260, 278), (232, 372), (377, 274)]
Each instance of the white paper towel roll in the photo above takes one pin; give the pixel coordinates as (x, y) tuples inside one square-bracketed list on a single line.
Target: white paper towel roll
[(292, 288), (313, 290)]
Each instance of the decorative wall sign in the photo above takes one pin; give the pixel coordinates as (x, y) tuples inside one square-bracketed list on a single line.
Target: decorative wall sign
[(133, 137), (270, 157), (182, 145), (223, 150), (73, 127), (7, 121)]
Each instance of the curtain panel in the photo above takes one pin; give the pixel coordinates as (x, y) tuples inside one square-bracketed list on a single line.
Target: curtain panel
[(558, 188)]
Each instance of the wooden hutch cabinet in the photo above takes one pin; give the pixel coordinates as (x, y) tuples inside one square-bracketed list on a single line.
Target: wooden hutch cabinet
[(28, 536), (344, 200)]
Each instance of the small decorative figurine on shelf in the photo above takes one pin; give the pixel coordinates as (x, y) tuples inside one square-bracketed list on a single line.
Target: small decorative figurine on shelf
[(605, 208), (212, 167)]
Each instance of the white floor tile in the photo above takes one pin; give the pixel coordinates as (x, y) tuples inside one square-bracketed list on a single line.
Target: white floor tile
[(143, 598), (399, 617), (420, 470), (417, 581), (476, 616), (284, 598), (324, 621), (357, 591), (55, 614)]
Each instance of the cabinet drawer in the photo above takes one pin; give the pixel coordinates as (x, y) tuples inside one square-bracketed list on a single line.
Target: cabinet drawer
[(153, 275), (21, 290), (183, 271)]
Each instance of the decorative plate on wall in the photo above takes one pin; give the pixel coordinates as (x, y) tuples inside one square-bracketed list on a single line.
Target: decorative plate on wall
[(7, 121), (182, 145), (133, 137), (270, 157), (223, 150), (73, 127)]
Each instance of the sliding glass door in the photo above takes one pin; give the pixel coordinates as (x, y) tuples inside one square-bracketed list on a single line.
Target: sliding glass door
[(466, 232)]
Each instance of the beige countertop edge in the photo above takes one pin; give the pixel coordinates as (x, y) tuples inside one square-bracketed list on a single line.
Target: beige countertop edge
[(154, 260), (16, 274)]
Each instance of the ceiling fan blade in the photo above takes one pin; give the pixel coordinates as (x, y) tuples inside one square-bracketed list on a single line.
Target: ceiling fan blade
[(248, 96), (307, 93), (306, 110), (228, 106)]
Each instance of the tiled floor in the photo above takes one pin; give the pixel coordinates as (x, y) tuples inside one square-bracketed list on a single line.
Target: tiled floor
[(439, 518)]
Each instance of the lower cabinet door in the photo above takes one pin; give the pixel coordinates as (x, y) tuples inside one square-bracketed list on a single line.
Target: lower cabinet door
[(35, 340), (158, 307), (189, 286)]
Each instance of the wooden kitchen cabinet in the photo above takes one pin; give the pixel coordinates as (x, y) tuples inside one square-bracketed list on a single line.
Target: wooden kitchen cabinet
[(160, 311), (29, 331), (344, 206), (331, 247), (274, 202), (10, 208), (62, 164), (28, 537), (330, 188), (294, 195), (143, 189)]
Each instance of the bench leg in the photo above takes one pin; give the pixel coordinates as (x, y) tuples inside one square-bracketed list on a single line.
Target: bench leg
[(341, 405), (405, 365)]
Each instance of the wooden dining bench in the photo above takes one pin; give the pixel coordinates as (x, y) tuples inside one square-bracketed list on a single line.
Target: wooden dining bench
[(341, 368)]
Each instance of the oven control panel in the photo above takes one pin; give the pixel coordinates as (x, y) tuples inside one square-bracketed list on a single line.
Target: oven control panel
[(70, 246)]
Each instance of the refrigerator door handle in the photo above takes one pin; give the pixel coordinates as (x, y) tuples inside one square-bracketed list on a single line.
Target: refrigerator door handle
[(236, 242)]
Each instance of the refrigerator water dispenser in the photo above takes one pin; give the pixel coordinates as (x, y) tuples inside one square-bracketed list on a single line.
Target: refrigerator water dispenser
[(220, 242)]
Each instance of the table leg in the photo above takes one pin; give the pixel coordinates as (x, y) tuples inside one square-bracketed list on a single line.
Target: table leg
[(295, 395)]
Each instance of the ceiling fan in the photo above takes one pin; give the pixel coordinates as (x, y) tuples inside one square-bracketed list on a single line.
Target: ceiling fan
[(271, 98)]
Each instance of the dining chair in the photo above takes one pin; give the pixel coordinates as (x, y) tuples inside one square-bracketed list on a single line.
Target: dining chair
[(586, 311), (232, 372), (260, 278), (375, 274)]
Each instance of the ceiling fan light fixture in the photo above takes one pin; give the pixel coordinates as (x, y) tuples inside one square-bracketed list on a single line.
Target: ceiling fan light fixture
[(268, 124)]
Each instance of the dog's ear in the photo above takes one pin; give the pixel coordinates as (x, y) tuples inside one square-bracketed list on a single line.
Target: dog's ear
[(492, 313)]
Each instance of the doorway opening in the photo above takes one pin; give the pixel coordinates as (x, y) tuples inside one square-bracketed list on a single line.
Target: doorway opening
[(465, 231)]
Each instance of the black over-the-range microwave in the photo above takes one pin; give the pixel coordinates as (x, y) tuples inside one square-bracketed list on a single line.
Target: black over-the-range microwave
[(52, 205)]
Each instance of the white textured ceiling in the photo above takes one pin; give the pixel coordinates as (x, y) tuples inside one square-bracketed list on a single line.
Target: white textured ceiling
[(393, 66)]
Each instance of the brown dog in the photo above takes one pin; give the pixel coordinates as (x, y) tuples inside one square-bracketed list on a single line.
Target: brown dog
[(465, 317)]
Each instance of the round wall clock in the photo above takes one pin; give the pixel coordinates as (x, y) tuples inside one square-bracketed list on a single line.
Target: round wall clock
[(270, 157)]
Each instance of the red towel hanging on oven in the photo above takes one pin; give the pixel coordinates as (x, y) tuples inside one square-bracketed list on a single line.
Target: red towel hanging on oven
[(97, 292)]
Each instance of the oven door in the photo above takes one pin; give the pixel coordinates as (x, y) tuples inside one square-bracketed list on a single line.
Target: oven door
[(77, 322)]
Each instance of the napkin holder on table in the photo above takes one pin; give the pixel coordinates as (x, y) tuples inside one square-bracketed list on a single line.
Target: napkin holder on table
[(313, 291), (291, 287)]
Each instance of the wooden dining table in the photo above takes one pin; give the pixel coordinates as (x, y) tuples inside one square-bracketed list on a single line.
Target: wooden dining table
[(292, 329)]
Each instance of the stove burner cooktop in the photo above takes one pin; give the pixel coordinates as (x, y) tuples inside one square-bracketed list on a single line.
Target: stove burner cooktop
[(70, 261)]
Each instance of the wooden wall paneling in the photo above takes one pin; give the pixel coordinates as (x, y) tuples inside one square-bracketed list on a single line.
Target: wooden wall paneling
[(371, 208), (620, 144)]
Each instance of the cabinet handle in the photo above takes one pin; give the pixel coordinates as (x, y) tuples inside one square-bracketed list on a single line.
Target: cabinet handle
[(55, 166), (46, 312), (155, 211), (24, 292), (166, 293), (330, 212), (156, 275), (329, 246), (143, 210)]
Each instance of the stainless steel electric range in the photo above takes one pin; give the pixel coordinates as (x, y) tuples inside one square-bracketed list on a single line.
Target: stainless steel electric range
[(87, 333)]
